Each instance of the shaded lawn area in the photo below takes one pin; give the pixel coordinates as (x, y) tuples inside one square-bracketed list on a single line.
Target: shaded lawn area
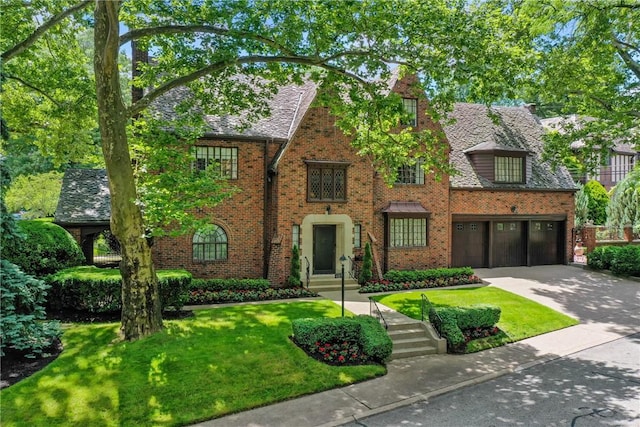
[(520, 318), (222, 361)]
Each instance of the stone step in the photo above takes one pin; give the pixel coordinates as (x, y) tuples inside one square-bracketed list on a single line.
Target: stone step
[(409, 343), (402, 334), (332, 284), (412, 352)]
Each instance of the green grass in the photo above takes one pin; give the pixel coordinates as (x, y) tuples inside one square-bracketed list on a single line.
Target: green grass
[(222, 361), (521, 318)]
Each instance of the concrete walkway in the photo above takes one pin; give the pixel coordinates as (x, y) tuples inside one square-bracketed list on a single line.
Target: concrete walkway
[(608, 308)]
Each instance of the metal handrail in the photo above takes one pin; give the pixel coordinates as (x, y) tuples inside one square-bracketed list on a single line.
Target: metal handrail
[(308, 271), (374, 311), (427, 308), (354, 271)]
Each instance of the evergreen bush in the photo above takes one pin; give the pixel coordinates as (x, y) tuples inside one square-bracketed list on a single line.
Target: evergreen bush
[(367, 265), (598, 202), (626, 261), (22, 299), (46, 248), (294, 275)]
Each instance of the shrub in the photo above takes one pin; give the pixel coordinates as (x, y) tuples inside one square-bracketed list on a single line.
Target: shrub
[(22, 302), (598, 201), (229, 284), (425, 275), (367, 265), (626, 261), (451, 321), (46, 248), (294, 276), (602, 257), (99, 290), (330, 336), (226, 296)]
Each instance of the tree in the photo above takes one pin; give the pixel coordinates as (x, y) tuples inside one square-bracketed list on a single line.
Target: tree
[(346, 47), (367, 264), (581, 207), (37, 194), (294, 275), (598, 201), (587, 64), (624, 206)]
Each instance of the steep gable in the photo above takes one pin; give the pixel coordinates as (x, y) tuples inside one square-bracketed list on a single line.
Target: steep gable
[(84, 198)]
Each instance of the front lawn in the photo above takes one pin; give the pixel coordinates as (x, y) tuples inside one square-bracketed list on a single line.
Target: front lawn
[(521, 318), (222, 361)]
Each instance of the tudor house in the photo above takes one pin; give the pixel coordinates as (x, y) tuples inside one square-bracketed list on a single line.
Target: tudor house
[(303, 184)]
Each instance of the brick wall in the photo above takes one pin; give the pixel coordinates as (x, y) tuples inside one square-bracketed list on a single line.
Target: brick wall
[(241, 217), (527, 203)]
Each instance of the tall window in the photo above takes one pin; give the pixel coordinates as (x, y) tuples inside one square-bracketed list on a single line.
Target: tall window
[(224, 159), (327, 181), (357, 236), (509, 169), (411, 109), (411, 174), (295, 235), (210, 244), (408, 232)]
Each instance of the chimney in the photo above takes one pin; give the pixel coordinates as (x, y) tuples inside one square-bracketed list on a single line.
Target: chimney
[(531, 108), (138, 56)]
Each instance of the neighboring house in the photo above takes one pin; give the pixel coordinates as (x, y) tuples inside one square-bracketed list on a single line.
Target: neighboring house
[(303, 184), (621, 159)]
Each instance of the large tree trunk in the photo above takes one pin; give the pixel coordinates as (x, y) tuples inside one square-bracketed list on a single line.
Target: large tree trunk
[(141, 311)]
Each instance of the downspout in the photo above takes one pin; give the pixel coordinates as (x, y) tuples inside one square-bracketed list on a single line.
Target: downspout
[(266, 208)]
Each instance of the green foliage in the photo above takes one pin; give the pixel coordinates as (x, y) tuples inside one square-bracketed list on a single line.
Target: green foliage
[(401, 276), (367, 265), (229, 284), (22, 301), (37, 194), (364, 331), (451, 321), (294, 275), (99, 290), (9, 233), (621, 260), (598, 201), (46, 248), (247, 295), (581, 207), (624, 207)]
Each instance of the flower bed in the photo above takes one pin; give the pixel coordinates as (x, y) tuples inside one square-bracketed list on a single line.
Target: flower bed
[(344, 353), (201, 296), (441, 282)]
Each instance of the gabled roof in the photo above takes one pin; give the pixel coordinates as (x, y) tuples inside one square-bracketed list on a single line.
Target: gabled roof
[(84, 198), (509, 129), (287, 108)]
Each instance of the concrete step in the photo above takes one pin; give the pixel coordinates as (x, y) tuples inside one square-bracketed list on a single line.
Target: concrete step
[(404, 334), (332, 284), (409, 343), (412, 352)]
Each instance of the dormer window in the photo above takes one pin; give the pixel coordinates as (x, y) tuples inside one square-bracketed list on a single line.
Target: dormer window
[(499, 163), (508, 169), (410, 106)]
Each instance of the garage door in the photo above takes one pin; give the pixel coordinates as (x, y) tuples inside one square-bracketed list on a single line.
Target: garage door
[(544, 242), (509, 244), (469, 244)]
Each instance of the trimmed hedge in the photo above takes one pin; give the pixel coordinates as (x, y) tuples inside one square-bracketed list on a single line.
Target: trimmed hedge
[(229, 284), (99, 290), (401, 276), (44, 248), (451, 321), (621, 260), (246, 295), (363, 331)]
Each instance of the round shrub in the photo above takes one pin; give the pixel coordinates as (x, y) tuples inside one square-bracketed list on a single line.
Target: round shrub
[(22, 299), (45, 248), (626, 261)]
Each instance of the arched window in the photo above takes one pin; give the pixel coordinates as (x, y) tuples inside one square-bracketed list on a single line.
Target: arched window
[(210, 244)]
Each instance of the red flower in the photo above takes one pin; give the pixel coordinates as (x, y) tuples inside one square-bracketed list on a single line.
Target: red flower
[(341, 358)]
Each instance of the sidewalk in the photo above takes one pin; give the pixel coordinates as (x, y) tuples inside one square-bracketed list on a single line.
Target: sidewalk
[(607, 307)]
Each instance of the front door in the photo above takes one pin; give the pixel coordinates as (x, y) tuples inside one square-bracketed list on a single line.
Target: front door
[(324, 249)]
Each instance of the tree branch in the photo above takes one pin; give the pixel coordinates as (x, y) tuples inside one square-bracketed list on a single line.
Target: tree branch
[(33, 37), (626, 57), (32, 87), (180, 29)]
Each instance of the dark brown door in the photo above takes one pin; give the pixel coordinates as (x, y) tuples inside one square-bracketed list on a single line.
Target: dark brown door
[(324, 249), (469, 244), (544, 242), (509, 243)]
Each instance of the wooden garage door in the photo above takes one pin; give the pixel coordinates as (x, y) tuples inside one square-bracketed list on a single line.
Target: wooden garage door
[(469, 244), (509, 244), (544, 242)]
